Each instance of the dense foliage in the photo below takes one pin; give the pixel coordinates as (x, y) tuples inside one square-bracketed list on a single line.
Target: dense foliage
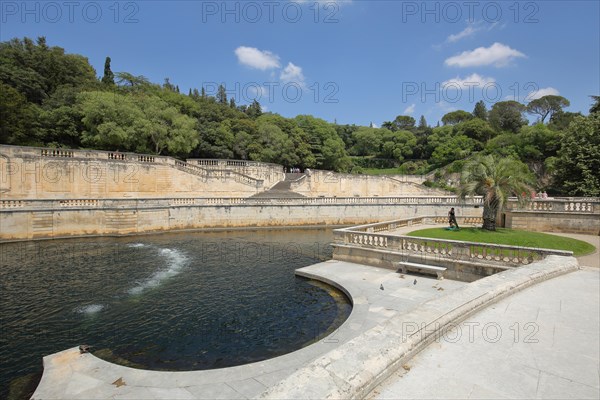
[(51, 98)]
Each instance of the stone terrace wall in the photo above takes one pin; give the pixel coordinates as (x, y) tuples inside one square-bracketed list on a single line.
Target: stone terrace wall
[(330, 184), (41, 173), (574, 215), (37, 219)]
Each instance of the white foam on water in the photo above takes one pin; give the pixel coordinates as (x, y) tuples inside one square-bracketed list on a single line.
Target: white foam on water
[(136, 245), (175, 262), (90, 309)]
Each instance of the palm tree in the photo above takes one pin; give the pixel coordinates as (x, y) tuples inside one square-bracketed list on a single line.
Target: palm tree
[(495, 179)]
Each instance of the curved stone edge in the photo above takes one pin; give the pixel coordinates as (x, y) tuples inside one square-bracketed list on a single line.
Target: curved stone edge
[(60, 368), (357, 367)]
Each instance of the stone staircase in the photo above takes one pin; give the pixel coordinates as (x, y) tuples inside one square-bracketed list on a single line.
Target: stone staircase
[(282, 189)]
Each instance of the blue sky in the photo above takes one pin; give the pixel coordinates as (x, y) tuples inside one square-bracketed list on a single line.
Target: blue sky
[(352, 61)]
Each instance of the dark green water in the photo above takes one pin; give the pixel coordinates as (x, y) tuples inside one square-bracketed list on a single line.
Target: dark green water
[(176, 301)]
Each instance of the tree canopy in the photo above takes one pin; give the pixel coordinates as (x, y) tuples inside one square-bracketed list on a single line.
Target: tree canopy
[(51, 98)]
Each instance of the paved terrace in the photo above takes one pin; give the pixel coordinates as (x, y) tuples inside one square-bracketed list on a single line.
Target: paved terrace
[(371, 354)]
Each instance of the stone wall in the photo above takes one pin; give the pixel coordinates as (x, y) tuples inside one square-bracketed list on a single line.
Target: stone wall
[(44, 173), (330, 184), (36, 219), (38, 173), (571, 215)]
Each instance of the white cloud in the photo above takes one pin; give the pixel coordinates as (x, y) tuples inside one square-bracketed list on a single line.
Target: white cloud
[(255, 58), (258, 91), (375, 125), (410, 109), (497, 54), (541, 93), (292, 73), (529, 96), (468, 31), (471, 81)]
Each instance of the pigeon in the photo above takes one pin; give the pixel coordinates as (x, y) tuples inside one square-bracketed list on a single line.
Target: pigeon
[(381, 286), (415, 282)]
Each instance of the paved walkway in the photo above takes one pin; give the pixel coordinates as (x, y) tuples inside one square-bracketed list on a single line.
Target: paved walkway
[(539, 343)]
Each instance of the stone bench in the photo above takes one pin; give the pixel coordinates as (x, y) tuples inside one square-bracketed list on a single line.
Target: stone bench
[(422, 268)]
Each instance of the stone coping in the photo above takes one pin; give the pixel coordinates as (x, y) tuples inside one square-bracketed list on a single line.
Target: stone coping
[(357, 367)]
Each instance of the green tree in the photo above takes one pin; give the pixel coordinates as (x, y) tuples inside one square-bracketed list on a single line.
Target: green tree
[(538, 142), (166, 129), (547, 106), (16, 116), (495, 179), (111, 121), (221, 95), (457, 147), (401, 122), (596, 106), (475, 128), (423, 123), (326, 146), (254, 110), (480, 111), (560, 121), (507, 116), (456, 117), (126, 79), (366, 141), (60, 119), (37, 71), (579, 158), (398, 145), (108, 78)]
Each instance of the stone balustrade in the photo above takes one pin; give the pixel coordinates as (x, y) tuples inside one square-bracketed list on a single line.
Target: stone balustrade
[(232, 163), (373, 236), (560, 205), (268, 172), (54, 204)]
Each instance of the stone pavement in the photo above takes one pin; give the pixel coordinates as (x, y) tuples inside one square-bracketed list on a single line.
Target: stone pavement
[(540, 343)]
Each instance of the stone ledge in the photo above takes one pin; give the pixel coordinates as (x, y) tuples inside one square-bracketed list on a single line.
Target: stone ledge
[(357, 367)]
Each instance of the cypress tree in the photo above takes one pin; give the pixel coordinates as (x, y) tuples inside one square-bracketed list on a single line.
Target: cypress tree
[(109, 77)]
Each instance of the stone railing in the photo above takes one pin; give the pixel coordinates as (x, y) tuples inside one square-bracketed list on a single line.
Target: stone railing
[(389, 226), (374, 236), (267, 172), (557, 205), (295, 184), (51, 204), (207, 162)]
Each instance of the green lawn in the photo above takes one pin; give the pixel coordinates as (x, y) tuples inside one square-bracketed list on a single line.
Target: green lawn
[(509, 237)]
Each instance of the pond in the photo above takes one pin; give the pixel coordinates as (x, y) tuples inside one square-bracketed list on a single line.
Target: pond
[(173, 301)]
